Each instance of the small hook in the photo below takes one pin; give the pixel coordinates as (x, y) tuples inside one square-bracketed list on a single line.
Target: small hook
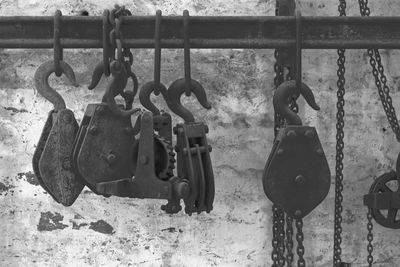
[(145, 92), (42, 84), (118, 82), (175, 92), (281, 100)]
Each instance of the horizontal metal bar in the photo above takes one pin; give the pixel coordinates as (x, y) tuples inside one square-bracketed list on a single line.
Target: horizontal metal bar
[(207, 32)]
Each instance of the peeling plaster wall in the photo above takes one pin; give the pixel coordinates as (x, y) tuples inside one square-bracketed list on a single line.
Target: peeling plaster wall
[(97, 231)]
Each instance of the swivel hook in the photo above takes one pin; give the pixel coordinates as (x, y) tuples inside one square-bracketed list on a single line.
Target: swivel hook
[(118, 82), (281, 100), (42, 84), (175, 92)]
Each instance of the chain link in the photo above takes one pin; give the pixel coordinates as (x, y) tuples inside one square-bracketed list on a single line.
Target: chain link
[(337, 237), (123, 53), (380, 79), (281, 238), (300, 247), (275, 242), (370, 238), (289, 241)]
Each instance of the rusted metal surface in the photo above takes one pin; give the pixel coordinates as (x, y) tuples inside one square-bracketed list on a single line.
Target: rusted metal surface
[(194, 164), (145, 183), (52, 159), (296, 176), (55, 162), (384, 200), (206, 32), (103, 153)]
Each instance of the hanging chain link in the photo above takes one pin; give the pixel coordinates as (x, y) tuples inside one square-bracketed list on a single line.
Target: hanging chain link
[(275, 234), (123, 53), (300, 247), (337, 238), (278, 222), (289, 241), (370, 237), (380, 79)]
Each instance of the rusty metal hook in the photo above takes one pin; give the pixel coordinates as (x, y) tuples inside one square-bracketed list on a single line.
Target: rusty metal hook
[(284, 93), (118, 82), (175, 92), (145, 92), (42, 84)]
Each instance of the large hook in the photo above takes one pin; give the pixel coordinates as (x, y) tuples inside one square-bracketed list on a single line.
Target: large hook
[(42, 84), (283, 94), (175, 92), (145, 93)]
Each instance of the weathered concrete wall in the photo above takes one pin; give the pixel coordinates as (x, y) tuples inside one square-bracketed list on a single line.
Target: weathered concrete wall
[(95, 231)]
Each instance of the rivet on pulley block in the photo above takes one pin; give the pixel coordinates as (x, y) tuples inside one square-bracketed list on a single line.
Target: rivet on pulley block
[(300, 179)]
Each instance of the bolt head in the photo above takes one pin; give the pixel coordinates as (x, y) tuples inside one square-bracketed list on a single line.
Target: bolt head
[(300, 179), (280, 152), (182, 190), (206, 130), (111, 158), (176, 149), (67, 118), (319, 151)]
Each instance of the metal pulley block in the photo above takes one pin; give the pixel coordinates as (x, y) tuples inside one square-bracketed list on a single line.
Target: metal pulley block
[(52, 157), (194, 165), (193, 151), (296, 176), (102, 147), (144, 183), (383, 199)]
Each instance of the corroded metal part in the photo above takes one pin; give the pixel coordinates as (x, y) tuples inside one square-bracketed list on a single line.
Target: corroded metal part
[(297, 176), (176, 90), (55, 162), (384, 200)]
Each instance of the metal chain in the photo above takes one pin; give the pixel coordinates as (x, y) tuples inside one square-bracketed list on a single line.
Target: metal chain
[(278, 243), (281, 238), (300, 247), (370, 237), (275, 241), (123, 53), (337, 237), (289, 241), (380, 79)]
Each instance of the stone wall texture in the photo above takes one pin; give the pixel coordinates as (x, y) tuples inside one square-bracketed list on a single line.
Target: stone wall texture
[(97, 231)]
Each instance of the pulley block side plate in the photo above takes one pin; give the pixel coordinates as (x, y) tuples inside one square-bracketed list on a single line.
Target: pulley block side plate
[(297, 178)]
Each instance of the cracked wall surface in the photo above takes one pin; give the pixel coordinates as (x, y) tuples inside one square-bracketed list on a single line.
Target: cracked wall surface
[(97, 231)]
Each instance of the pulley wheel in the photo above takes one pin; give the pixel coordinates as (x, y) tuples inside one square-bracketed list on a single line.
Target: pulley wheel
[(386, 183), (163, 157)]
